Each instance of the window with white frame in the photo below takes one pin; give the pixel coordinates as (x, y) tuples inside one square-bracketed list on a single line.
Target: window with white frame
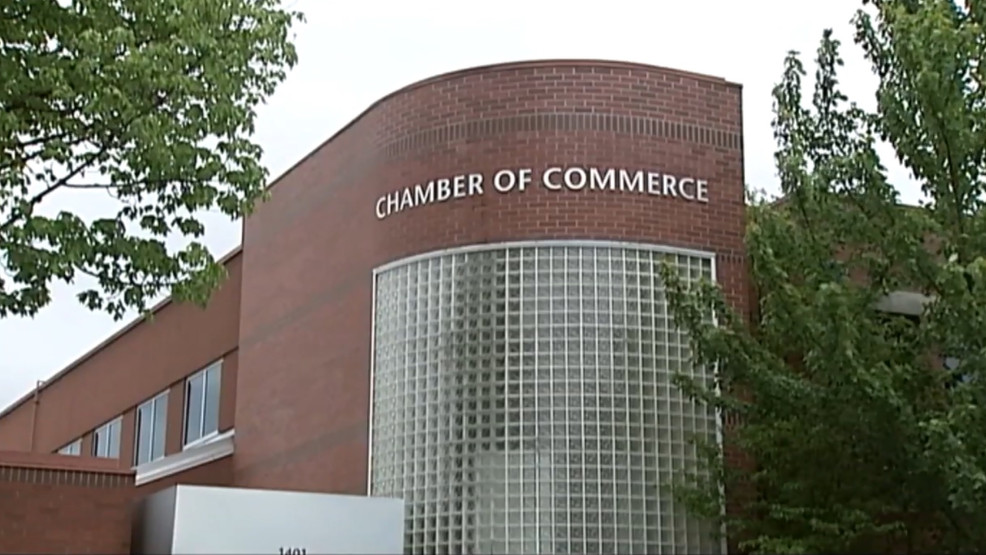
[(152, 425), (74, 448), (106, 440), (202, 403)]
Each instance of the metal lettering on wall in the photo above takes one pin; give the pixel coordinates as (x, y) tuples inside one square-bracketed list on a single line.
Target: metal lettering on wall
[(554, 178)]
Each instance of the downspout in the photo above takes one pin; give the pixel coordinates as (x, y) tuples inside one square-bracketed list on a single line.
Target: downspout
[(34, 412)]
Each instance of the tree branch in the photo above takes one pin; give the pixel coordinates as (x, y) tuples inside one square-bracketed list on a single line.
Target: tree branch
[(953, 187), (136, 183), (24, 160), (33, 201)]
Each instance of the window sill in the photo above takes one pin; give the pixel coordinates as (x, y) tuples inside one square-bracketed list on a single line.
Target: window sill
[(201, 452), (206, 439)]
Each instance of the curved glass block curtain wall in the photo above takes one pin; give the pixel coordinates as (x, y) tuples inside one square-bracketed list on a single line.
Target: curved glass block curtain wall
[(522, 400)]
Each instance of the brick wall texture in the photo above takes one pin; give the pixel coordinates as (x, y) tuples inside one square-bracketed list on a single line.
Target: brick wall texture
[(58, 504), (309, 253)]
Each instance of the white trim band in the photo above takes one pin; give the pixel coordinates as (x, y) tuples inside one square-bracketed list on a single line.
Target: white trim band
[(216, 447)]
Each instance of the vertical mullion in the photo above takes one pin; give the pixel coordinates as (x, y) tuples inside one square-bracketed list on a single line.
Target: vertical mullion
[(552, 372), (419, 268), (613, 339), (599, 408), (626, 390), (640, 398), (450, 261), (143, 423), (155, 429), (137, 439), (671, 391), (506, 400), (581, 319), (205, 400), (654, 278), (537, 404), (408, 423), (152, 421), (560, 279), (525, 456), (552, 392)]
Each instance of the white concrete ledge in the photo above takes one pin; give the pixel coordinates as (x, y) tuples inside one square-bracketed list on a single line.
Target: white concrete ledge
[(904, 302), (211, 449)]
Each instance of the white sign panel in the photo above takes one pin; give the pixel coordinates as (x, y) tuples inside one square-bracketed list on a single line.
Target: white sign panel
[(585, 179), (218, 520)]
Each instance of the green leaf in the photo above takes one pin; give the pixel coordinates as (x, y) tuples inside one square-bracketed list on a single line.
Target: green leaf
[(860, 440), (152, 101)]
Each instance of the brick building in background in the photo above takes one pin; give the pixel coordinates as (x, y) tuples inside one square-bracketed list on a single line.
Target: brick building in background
[(454, 301)]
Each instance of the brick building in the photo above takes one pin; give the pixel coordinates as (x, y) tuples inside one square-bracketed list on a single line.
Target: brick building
[(454, 300)]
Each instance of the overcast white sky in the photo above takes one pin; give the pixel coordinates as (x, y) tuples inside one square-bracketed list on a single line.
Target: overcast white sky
[(352, 53)]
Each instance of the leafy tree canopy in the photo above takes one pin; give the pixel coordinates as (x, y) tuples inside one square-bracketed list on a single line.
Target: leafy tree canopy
[(152, 101), (858, 439)]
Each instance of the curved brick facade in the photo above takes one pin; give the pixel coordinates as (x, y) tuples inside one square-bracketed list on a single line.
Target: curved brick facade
[(309, 253)]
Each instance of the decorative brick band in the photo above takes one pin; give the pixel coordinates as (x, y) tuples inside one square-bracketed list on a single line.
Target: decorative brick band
[(438, 136), (563, 121), (732, 256), (49, 476)]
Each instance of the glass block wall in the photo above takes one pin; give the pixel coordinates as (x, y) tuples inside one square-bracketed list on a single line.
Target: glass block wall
[(522, 401)]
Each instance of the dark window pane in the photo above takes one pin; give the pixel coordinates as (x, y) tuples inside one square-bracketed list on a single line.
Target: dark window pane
[(160, 426), (113, 440), (144, 425), (193, 408), (213, 387)]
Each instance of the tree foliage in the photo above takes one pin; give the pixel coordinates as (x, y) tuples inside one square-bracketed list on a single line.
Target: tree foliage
[(152, 101), (859, 439)]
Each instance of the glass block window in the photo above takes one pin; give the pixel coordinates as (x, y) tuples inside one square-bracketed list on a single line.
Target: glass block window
[(522, 401)]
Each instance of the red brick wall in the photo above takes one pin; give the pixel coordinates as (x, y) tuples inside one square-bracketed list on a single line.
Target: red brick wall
[(309, 253), (60, 504)]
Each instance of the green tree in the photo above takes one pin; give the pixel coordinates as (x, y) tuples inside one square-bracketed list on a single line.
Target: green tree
[(861, 441), (152, 101)]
